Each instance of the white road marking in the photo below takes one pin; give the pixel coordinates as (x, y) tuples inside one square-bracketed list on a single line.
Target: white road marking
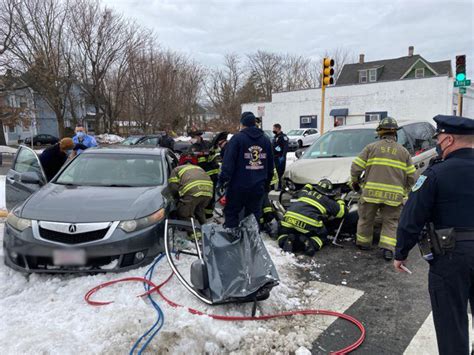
[(424, 342)]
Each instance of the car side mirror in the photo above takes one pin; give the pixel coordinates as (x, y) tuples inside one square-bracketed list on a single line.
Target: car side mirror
[(31, 177), (299, 153)]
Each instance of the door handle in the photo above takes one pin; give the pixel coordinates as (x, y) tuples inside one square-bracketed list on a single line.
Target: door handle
[(9, 178)]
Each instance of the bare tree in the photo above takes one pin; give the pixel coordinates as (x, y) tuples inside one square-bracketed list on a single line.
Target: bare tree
[(223, 90), (266, 69), (42, 52), (7, 27), (104, 41)]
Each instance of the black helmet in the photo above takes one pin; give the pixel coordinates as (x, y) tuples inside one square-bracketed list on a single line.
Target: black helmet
[(325, 187), (387, 125), (220, 137)]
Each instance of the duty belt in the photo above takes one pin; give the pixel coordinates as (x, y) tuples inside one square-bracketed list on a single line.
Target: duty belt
[(464, 235)]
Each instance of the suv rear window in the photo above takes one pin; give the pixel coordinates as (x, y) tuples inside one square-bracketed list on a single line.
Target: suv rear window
[(421, 135)]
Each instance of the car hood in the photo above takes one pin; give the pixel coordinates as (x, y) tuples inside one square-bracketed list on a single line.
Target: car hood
[(305, 171), (81, 204)]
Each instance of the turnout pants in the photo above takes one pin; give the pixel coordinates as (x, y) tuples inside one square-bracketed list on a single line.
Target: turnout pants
[(314, 238), (242, 201), (209, 210), (451, 285), (191, 206), (365, 225)]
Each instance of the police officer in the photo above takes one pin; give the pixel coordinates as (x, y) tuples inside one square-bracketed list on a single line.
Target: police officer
[(280, 148), (444, 196), (302, 228), (389, 174), (247, 171)]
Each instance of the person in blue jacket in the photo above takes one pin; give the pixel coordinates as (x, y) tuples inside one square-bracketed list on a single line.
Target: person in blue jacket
[(247, 171), (82, 140)]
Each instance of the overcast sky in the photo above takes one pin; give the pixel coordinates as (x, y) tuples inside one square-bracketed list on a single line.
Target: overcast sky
[(206, 29)]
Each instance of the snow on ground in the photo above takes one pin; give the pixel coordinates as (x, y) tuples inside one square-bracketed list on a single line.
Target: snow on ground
[(47, 314), (7, 149)]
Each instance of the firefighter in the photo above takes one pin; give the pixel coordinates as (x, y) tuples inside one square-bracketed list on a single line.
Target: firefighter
[(193, 187), (302, 228), (218, 145), (207, 161), (389, 175)]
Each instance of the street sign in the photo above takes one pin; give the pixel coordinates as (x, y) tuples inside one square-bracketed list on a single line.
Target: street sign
[(462, 90), (462, 83)]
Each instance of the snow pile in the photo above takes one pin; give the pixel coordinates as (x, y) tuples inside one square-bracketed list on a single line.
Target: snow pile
[(47, 314), (8, 150), (109, 139), (182, 139)]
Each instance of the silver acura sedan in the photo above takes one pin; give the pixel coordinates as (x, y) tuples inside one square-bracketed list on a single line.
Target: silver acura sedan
[(102, 212)]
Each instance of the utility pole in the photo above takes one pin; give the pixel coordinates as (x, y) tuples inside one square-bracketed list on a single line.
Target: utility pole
[(327, 79)]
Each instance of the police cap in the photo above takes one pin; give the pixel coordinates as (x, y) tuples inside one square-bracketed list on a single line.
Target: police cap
[(454, 125)]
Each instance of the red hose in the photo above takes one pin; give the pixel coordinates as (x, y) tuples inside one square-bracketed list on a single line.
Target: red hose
[(157, 289)]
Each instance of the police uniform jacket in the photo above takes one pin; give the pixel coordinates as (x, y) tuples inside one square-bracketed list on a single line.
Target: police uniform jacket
[(444, 195), (389, 172), (280, 145)]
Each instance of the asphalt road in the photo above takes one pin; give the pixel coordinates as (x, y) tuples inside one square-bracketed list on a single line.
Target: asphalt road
[(392, 309)]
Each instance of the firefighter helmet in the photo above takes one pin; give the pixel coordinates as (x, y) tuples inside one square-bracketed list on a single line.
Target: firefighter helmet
[(222, 136), (325, 187), (387, 125)]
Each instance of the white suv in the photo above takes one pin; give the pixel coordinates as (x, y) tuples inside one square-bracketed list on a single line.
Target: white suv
[(303, 136)]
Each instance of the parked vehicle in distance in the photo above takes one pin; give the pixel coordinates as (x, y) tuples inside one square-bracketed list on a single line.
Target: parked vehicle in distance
[(303, 137), (104, 211), (180, 146), (41, 139)]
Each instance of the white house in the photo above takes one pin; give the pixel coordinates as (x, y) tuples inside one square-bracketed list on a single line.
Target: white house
[(409, 87)]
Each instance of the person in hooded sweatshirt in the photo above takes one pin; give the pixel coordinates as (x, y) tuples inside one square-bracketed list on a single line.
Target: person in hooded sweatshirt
[(247, 170)]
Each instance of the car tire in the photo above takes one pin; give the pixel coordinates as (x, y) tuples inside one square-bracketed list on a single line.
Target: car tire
[(300, 143)]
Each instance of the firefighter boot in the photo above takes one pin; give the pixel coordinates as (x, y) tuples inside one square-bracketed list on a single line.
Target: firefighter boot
[(310, 247), (387, 254)]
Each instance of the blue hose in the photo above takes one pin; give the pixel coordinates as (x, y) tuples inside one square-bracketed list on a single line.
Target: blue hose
[(156, 327)]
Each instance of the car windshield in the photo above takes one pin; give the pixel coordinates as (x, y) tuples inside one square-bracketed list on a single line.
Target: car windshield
[(131, 141), (121, 170), (295, 132), (340, 143)]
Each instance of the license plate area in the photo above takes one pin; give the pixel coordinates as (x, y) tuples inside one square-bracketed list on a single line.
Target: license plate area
[(69, 257)]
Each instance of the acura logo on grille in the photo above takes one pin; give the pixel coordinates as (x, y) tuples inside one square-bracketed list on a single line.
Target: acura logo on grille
[(72, 228)]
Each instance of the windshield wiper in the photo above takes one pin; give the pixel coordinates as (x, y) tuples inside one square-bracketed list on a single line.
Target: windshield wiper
[(331, 156), (65, 183), (117, 185)]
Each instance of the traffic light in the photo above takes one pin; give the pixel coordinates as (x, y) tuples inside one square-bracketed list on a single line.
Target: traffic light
[(460, 67), (328, 71)]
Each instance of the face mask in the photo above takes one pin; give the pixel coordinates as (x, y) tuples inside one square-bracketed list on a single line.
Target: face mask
[(275, 133), (80, 134), (439, 149)]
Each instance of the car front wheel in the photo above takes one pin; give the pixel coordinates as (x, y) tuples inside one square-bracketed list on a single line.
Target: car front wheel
[(300, 143)]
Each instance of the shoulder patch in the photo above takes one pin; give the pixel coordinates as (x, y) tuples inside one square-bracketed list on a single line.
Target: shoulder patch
[(285, 138), (419, 183)]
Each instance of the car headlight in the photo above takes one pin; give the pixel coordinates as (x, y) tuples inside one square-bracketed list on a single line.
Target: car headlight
[(18, 223), (138, 224)]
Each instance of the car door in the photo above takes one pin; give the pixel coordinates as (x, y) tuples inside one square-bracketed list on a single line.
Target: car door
[(312, 136), (16, 191), (171, 162), (421, 136)]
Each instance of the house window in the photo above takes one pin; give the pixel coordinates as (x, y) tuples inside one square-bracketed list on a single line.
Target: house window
[(362, 76), (339, 121), (372, 117), (11, 128), (420, 73), (373, 75)]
